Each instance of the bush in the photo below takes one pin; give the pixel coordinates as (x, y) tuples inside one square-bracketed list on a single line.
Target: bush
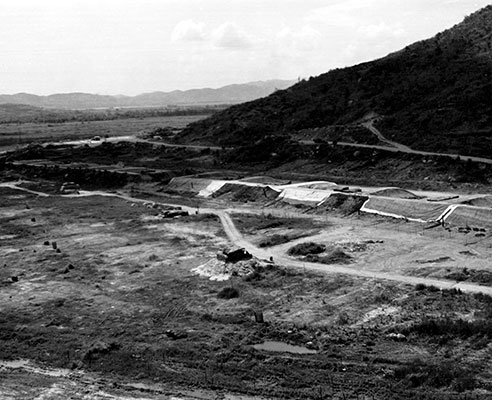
[(304, 249), (253, 276), (431, 288), (335, 256), (228, 293), (444, 374), (343, 318), (274, 240), (458, 328)]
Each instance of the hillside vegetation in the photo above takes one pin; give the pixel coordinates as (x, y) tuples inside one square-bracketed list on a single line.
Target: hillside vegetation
[(433, 95)]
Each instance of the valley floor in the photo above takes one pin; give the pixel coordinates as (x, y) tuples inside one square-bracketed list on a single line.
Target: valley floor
[(106, 299)]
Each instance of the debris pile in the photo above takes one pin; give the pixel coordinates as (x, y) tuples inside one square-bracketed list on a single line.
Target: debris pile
[(69, 188), (222, 268), (176, 213)]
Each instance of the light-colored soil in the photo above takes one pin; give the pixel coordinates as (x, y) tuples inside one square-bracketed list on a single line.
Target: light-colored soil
[(122, 307)]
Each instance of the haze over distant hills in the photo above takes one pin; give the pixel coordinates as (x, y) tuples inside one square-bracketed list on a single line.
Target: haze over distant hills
[(433, 95), (231, 94)]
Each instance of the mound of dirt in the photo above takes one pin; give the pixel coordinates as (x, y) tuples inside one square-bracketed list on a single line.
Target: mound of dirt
[(265, 180), (405, 209), (485, 201), (217, 270), (396, 193), (319, 185), (245, 194), (471, 217), (188, 185), (343, 203)]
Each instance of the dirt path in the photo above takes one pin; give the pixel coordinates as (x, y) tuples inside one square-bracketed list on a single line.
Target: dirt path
[(281, 259), (369, 124), (13, 185), (279, 256)]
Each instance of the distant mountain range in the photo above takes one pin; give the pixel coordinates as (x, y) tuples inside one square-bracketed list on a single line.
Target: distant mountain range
[(231, 94), (433, 95)]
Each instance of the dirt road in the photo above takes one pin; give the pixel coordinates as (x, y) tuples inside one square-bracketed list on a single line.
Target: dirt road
[(280, 258), (370, 125)]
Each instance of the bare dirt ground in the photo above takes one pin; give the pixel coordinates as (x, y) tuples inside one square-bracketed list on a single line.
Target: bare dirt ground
[(392, 246), (115, 310)]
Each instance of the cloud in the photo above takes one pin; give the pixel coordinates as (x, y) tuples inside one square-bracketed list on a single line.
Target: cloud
[(231, 36), (304, 40), (188, 31), (376, 31), (344, 13)]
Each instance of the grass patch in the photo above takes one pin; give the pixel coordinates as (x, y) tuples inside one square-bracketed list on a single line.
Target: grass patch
[(437, 375), (249, 223), (278, 239), (452, 327), (471, 275)]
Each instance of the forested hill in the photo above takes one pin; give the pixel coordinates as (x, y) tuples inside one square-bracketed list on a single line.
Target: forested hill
[(432, 95)]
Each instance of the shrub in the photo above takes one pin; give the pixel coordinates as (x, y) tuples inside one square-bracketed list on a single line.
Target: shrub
[(304, 249), (443, 374), (253, 276), (228, 293), (343, 318), (458, 328), (422, 286), (335, 256), (274, 240)]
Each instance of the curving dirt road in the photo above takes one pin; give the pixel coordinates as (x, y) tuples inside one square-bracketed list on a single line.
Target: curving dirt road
[(370, 125), (278, 255), (281, 259)]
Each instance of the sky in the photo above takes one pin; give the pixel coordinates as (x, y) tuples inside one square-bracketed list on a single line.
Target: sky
[(131, 47)]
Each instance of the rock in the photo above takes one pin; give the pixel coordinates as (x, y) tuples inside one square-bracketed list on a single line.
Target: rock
[(397, 337), (46, 243), (221, 257), (69, 188), (14, 278), (100, 347), (175, 335)]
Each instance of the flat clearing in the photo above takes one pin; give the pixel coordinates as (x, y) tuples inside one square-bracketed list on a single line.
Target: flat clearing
[(14, 134), (116, 309)]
